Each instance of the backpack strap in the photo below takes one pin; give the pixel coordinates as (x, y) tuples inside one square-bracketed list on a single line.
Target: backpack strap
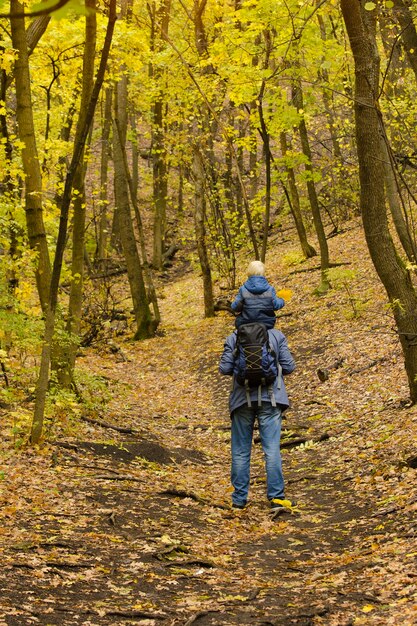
[(279, 377), (247, 388), (271, 396)]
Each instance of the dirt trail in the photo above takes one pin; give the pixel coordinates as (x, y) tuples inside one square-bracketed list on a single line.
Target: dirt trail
[(137, 528)]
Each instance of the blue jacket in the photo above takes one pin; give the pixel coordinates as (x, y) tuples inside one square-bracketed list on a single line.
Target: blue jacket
[(238, 398), (256, 301)]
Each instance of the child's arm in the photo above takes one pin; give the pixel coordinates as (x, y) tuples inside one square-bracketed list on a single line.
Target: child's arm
[(237, 304), (278, 302)]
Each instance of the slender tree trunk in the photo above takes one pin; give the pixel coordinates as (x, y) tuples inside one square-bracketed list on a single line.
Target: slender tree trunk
[(393, 88), (324, 75), (143, 318), (253, 167), (312, 194), (151, 292), (241, 167), (200, 230), (180, 201), (135, 156), (66, 371), (253, 154), (103, 229), (160, 183), (9, 188), (31, 166), (395, 204), (160, 22), (42, 383), (360, 25), (404, 17), (294, 202), (266, 145)]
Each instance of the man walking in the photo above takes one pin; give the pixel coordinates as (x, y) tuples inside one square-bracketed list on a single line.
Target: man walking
[(265, 403)]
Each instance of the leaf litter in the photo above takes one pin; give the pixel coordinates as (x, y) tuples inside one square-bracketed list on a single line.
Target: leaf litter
[(106, 527)]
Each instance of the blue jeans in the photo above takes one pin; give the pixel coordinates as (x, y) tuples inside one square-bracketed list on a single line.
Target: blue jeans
[(243, 421)]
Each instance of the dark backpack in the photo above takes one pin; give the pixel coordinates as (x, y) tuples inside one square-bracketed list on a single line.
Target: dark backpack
[(255, 361)]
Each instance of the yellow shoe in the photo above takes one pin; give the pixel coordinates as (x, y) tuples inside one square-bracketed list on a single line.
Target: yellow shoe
[(279, 506)]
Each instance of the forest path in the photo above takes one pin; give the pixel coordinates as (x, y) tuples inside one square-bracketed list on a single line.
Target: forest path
[(117, 528)]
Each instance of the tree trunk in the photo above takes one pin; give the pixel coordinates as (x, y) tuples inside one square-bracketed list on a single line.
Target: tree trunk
[(66, 371), (31, 167), (393, 88), (396, 279), (200, 230), (312, 194), (143, 319), (43, 378), (266, 145), (160, 22), (267, 159), (404, 17), (294, 202), (160, 183), (324, 75), (151, 293), (395, 204), (103, 227)]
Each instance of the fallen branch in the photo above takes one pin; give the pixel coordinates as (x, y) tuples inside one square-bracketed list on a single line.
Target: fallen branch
[(180, 493), (323, 373), (118, 477), (56, 564), (130, 614), (133, 614), (109, 273), (62, 565), (66, 445), (189, 562), (367, 367), (197, 616), (97, 467), (99, 422), (43, 544), (317, 268), (170, 253), (202, 427), (298, 441), (223, 305)]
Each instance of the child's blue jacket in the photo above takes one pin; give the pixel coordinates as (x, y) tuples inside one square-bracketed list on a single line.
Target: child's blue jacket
[(256, 301)]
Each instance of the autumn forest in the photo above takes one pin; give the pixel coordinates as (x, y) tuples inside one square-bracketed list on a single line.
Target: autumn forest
[(148, 151)]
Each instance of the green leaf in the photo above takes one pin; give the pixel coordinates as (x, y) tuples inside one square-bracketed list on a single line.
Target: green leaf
[(389, 4), (72, 6), (370, 6)]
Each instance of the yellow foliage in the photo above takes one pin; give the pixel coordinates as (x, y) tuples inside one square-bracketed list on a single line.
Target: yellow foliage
[(285, 294)]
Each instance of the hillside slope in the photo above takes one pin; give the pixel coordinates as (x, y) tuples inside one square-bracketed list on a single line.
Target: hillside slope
[(135, 527)]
